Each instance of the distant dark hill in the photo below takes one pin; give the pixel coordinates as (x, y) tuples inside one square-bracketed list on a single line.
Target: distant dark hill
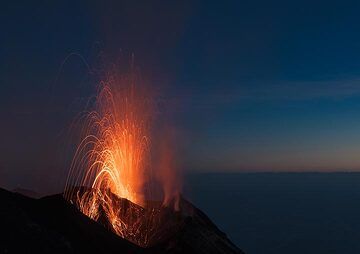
[(27, 193), (52, 225)]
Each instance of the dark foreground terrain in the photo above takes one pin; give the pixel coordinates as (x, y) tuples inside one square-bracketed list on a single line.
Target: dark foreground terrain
[(52, 225)]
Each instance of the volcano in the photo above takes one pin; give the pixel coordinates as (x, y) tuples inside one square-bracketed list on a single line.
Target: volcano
[(53, 225)]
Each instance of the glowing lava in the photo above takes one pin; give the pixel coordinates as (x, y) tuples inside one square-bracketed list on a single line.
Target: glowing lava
[(113, 159)]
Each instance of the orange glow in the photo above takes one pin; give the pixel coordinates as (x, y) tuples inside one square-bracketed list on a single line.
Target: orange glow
[(114, 156)]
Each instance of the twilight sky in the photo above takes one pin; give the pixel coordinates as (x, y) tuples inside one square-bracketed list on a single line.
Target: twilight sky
[(253, 85)]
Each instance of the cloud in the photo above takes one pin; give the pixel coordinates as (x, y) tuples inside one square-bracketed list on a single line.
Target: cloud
[(203, 97), (304, 90)]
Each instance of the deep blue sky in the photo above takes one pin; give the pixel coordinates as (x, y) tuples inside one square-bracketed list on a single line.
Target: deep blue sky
[(257, 85)]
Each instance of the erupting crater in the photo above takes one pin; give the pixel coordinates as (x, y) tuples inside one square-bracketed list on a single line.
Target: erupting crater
[(113, 173), (120, 179)]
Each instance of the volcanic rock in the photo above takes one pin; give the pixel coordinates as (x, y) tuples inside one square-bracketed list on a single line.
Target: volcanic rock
[(53, 225)]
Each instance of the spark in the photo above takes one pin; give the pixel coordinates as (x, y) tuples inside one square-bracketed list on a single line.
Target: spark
[(113, 160)]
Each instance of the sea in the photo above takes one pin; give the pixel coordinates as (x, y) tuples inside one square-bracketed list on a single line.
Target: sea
[(282, 213)]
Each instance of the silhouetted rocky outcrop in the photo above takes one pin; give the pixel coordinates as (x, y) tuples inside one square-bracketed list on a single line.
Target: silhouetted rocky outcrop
[(52, 225)]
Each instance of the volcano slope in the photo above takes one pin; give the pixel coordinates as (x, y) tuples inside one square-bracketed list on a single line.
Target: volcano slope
[(52, 225)]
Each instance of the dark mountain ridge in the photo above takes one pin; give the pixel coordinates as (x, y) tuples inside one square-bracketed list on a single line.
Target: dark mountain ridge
[(52, 225)]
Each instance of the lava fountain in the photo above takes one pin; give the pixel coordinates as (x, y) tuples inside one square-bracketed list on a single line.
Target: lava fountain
[(113, 168)]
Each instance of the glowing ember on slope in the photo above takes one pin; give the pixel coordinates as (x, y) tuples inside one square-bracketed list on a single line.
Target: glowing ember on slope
[(114, 160)]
